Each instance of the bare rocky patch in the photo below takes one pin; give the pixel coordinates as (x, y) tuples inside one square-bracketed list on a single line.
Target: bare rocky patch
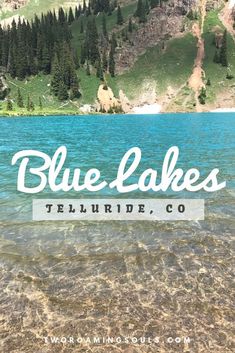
[(163, 23)]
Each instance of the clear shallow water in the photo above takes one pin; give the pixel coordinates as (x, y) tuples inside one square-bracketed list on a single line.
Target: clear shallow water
[(158, 279)]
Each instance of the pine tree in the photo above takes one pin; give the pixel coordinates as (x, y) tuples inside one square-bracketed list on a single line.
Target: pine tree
[(88, 10), (113, 42), (83, 55), (76, 59), (229, 75), (5, 49), (11, 63), (214, 41), (190, 15), (142, 17), (106, 6), (92, 41), (202, 96), (69, 74), (216, 57), (46, 62), (99, 71), (223, 51), (97, 7), (124, 34), (9, 104), (104, 26), (39, 50), (30, 104), (147, 9), (71, 17), (1, 41), (88, 72), (27, 48), (74, 80), (3, 91), (77, 13), (74, 92), (32, 62), (130, 25), (20, 102), (111, 63), (81, 26), (40, 103), (104, 61), (154, 3), (21, 59), (62, 92), (119, 16), (84, 7), (61, 16), (141, 11), (56, 76), (101, 75), (74, 88), (139, 8)]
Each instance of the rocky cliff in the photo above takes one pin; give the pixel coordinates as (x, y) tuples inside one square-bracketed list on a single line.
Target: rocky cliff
[(12, 4), (4, 89), (163, 23)]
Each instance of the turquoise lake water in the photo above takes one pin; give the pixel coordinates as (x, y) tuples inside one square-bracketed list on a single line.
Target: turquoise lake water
[(205, 141), (160, 278)]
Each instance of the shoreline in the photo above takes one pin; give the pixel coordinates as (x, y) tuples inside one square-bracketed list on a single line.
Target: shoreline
[(147, 109), (219, 110), (144, 109), (223, 110)]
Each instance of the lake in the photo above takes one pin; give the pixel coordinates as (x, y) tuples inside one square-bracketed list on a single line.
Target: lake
[(118, 278)]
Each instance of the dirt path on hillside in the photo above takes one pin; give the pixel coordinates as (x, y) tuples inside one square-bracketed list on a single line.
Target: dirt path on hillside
[(196, 79), (226, 18)]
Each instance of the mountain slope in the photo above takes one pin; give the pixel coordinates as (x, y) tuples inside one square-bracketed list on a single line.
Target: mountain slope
[(155, 63), (27, 8)]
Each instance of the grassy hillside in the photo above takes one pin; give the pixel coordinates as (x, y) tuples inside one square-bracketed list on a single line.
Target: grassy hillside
[(161, 67), (217, 73), (78, 37), (171, 66), (37, 6), (39, 87)]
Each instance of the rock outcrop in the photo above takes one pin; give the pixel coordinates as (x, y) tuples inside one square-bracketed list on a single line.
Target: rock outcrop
[(125, 103), (4, 89), (163, 23), (106, 101), (214, 4), (12, 4)]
